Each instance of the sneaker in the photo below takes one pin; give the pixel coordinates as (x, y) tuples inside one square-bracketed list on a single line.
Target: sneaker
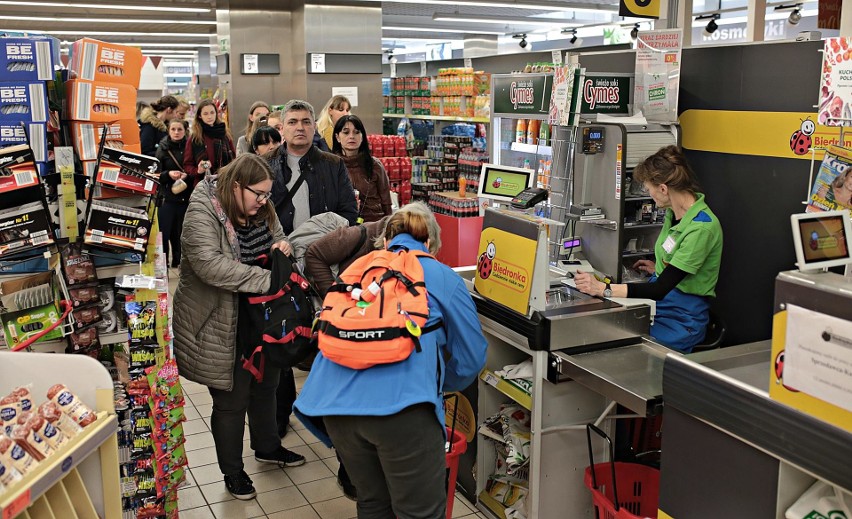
[(282, 457), (240, 486), (346, 485)]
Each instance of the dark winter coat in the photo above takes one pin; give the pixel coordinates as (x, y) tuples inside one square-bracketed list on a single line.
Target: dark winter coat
[(167, 164)]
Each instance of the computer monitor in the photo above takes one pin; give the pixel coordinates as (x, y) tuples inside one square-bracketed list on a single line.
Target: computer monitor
[(822, 239), (502, 183)]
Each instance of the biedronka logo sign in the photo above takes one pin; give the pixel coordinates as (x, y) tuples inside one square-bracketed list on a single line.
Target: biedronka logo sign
[(505, 264)]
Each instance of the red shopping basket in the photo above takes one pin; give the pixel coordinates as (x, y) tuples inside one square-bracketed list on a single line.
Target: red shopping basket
[(621, 490), (457, 445)]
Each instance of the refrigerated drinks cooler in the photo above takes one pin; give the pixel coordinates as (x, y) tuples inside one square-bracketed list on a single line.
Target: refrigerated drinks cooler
[(520, 135)]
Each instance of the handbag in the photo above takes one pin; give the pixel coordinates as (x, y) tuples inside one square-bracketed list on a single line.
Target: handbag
[(179, 186)]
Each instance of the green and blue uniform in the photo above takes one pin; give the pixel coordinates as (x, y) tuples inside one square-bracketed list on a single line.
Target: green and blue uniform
[(693, 245)]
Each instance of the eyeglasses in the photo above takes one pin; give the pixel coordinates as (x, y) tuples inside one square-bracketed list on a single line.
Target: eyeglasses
[(261, 197)]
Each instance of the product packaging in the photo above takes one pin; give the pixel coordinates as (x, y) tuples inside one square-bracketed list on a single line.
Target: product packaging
[(24, 101), (99, 102), (17, 168), (26, 59), (117, 226), (13, 133), (95, 60), (24, 227), (121, 135)]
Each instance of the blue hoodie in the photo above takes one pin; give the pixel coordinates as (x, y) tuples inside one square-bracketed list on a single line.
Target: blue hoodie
[(383, 390)]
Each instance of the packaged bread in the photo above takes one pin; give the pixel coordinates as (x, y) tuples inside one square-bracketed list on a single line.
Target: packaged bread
[(51, 412), (29, 440), (45, 430), (71, 405), (13, 454), (10, 409), (8, 473)]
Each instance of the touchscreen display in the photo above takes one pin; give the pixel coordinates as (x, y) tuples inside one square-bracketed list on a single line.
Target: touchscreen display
[(823, 239), (504, 183)]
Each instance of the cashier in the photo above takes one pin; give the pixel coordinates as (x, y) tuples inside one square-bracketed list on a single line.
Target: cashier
[(687, 254)]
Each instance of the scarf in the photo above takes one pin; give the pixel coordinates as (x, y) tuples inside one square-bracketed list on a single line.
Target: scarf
[(214, 131)]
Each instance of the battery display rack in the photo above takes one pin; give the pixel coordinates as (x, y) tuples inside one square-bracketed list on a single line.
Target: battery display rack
[(123, 224), (24, 217)]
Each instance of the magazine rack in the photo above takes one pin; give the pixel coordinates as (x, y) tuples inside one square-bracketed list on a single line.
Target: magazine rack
[(81, 480)]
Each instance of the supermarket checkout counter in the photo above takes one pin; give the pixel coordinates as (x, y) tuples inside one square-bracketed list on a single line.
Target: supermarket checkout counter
[(588, 354)]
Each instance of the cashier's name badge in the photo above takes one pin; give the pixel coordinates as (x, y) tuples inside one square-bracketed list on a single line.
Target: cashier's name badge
[(669, 245)]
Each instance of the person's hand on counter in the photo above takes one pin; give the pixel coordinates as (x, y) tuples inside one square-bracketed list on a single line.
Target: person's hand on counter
[(588, 284)]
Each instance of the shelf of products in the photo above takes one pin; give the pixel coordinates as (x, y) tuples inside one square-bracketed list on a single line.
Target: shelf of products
[(67, 483), (439, 118), (507, 388)]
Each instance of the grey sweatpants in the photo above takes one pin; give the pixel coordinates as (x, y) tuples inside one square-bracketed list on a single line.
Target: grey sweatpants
[(396, 462)]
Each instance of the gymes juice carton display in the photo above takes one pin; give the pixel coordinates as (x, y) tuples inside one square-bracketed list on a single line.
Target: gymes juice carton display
[(95, 60), (121, 135), (25, 101), (99, 102), (27, 59)]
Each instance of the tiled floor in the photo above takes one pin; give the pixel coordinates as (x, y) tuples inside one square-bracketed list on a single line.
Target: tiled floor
[(306, 492)]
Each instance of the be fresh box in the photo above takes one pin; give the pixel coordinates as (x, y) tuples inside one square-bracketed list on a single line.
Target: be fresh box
[(26, 59), (24, 101), (12, 134), (99, 102), (95, 60)]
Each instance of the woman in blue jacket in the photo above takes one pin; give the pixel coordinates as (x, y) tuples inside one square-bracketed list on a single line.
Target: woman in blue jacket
[(387, 422)]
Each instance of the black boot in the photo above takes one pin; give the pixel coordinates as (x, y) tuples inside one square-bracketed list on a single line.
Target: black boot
[(345, 483)]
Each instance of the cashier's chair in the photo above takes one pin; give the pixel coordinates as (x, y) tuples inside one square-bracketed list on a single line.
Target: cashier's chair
[(715, 334)]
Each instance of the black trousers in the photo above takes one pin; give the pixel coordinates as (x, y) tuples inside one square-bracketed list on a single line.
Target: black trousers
[(171, 215), (286, 395), (228, 419), (397, 463)]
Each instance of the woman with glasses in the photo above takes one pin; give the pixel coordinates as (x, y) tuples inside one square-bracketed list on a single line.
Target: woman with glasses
[(367, 174), (688, 254), (229, 223)]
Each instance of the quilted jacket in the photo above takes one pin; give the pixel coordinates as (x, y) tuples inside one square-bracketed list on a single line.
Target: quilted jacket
[(205, 305)]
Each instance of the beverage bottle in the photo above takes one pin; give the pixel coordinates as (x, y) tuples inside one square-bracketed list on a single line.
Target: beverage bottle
[(544, 134), (462, 186), (532, 131), (521, 131), (527, 164)]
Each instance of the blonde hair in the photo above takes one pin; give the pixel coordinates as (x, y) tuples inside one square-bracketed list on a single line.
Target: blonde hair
[(246, 170), (249, 124), (417, 220), (324, 121)]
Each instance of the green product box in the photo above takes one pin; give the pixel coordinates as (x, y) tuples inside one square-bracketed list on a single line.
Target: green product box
[(20, 326)]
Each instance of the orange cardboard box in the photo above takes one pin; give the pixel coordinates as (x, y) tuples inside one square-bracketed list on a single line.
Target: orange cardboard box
[(99, 102), (95, 60), (86, 137)]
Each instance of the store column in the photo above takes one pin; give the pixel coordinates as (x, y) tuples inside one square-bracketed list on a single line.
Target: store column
[(349, 39)]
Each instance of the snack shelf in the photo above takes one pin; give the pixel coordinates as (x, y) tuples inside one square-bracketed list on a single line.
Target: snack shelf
[(492, 505), (48, 479), (81, 480), (493, 380)]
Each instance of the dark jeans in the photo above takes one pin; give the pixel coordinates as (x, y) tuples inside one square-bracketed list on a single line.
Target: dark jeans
[(171, 216), (396, 462), (286, 395), (228, 420)]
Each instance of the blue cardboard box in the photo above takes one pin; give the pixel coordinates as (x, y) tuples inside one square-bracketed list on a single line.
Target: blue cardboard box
[(26, 59)]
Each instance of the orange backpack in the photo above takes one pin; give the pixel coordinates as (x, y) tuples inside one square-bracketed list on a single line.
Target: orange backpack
[(377, 311)]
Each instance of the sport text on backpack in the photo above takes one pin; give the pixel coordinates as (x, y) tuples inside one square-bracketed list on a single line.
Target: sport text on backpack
[(377, 312), (279, 324)]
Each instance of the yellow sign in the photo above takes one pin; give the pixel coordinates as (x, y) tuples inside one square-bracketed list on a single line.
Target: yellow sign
[(504, 269), (806, 403), (639, 8), (788, 135), (460, 410)]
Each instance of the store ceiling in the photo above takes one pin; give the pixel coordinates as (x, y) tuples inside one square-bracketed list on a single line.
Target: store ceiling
[(177, 31)]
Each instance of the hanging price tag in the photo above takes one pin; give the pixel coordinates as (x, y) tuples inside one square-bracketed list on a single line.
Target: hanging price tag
[(468, 62), (422, 68), (557, 57), (393, 70)]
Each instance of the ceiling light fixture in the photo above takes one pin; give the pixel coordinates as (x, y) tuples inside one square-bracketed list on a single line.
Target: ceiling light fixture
[(561, 6), (108, 6), (523, 37), (711, 25), (474, 18), (103, 20), (115, 33), (440, 29), (796, 14), (634, 32), (146, 44)]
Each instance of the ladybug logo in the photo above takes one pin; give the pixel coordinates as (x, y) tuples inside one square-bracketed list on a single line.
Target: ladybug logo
[(779, 371), (486, 261), (800, 141), (497, 182)]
